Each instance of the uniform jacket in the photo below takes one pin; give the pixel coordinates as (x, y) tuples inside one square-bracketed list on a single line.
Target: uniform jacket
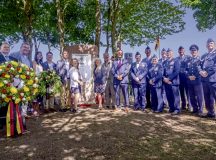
[(46, 66), (3, 60), (171, 70), (140, 72), (155, 74), (17, 55)]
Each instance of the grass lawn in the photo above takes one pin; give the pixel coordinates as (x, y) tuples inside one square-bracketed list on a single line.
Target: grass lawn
[(105, 134)]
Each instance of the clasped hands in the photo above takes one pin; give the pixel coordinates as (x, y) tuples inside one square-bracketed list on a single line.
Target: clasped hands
[(167, 80), (203, 74), (119, 77)]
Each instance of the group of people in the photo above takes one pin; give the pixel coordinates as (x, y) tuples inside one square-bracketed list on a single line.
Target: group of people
[(181, 83), (187, 82)]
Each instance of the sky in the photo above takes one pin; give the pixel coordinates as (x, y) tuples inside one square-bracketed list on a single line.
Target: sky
[(189, 36)]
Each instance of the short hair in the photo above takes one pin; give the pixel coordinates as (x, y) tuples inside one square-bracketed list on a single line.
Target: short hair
[(210, 40), (180, 47), (49, 53), (137, 53), (24, 43), (5, 43)]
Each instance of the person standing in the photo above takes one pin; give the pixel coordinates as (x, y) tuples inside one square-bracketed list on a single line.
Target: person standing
[(49, 100), (183, 87), (148, 60), (194, 81), (37, 66), (4, 57), (23, 55), (62, 69), (171, 82), (99, 82), (109, 91), (75, 84), (162, 61), (120, 71), (138, 74), (155, 76), (208, 74)]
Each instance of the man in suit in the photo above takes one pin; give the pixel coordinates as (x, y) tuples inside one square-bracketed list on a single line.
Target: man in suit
[(138, 73), (109, 91), (49, 64), (120, 71), (208, 74), (23, 55), (62, 69), (4, 57), (171, 82), (148, 60)]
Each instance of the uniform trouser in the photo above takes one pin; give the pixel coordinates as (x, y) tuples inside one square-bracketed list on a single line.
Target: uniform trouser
[(164, 95), (173, 97), (65, 96), (139, 91), (109, 94), (183, 88), (156, 99), (196, 97), (148, 94), (124, 88), (49, 103), (209, 96)]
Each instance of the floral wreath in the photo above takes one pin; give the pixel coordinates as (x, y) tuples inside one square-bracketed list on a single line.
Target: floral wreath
[(18, 83), (49, 83)]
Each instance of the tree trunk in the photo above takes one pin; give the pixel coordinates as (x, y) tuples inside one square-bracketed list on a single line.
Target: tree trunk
[(98, 25), (60, 25), (108, 25), (114, 18)]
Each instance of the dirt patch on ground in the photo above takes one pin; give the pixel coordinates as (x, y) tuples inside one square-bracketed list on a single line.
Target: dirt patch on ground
[(105, 134)]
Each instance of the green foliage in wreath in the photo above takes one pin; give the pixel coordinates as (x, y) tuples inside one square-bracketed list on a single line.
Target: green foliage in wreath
[(49, 82)]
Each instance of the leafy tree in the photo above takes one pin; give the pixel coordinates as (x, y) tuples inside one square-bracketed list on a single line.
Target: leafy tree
[(204, 12)]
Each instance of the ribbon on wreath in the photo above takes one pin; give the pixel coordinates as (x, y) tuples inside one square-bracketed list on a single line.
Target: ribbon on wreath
[(14, 123)]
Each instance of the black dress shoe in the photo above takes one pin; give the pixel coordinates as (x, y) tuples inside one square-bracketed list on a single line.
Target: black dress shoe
[(62, 110), (175, 113), (208, 116)]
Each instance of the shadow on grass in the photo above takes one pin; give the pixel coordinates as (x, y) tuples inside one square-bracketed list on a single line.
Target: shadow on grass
[(105, 134)]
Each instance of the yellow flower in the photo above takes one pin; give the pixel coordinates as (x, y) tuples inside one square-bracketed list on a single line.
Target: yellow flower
[(35, 91), (32, 74), (1, 84), (30, 82), (7, 76), (28, 98), (14, 63), (7, 99), (20, 70), (23, 76), (13, 90), (17, 100), (26, 89)]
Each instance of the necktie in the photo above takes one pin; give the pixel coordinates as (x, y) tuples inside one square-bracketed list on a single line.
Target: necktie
[(7, 58)]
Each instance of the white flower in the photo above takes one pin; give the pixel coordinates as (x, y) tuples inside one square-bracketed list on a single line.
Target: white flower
[(22, 94), (6, 62), (12, 68), (17, 76), (5, 81), (35, 85), (0, 70), (3, 96), (23, 99), (22, 65), (36, 78), (27, 73), (13, 98)]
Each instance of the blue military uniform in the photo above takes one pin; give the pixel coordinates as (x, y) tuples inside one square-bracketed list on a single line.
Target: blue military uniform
[(139, 87), (148, 60), (195, 86), (171, 71), (209, 83), (155, 74), (121, 67), (183, 87)]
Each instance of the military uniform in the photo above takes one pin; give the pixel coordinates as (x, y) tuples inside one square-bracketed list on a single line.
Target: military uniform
[(183, 87), (209, 83), (139, 70), (195, 86), (162, 61), (155, 74), (171, 71)]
